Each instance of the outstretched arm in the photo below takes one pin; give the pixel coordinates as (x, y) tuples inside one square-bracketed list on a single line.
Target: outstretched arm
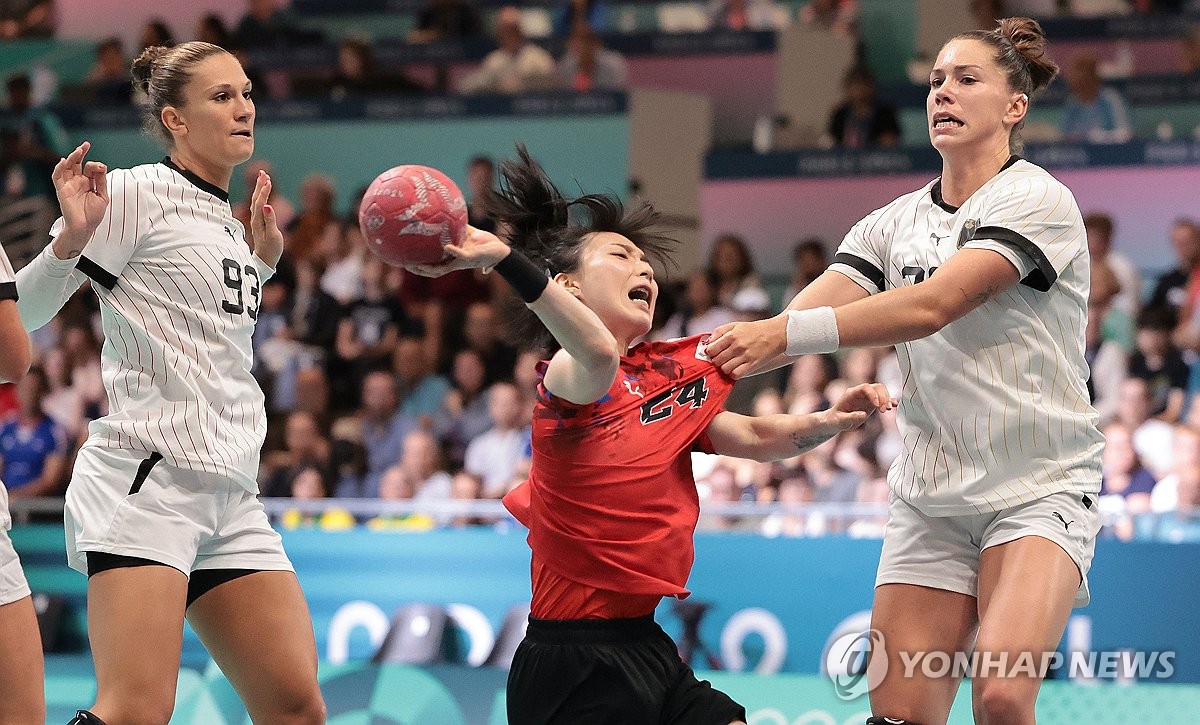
[(775, 437), (967, 280), (583, 371)]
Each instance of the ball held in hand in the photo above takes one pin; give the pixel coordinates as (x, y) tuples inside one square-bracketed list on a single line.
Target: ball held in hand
[(410, 213)]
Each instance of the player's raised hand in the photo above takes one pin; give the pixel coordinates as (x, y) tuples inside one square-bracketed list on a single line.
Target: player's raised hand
[(740, 348), (859, 403), (266, 241), (478, 250), (82, 190)]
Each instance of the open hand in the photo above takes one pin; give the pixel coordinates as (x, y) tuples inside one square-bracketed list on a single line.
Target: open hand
[(478, 250), (266, 240), (82, 190)]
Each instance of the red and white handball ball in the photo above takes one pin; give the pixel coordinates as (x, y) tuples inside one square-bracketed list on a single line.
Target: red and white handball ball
[(410, 213)]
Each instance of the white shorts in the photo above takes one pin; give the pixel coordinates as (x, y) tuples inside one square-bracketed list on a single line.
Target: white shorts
[(12, 580), (942, 552), (136, 504)]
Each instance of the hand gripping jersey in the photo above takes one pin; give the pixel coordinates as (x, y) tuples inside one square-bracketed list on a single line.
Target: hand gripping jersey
[(995, 410), (611, 502), (179, 294)]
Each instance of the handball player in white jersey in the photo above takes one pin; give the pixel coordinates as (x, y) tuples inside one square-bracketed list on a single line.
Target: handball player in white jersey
[(22, 698), (980, 279), (162, 513)]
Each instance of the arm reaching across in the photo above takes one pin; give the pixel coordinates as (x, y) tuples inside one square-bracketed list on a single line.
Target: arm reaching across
[(967, 280), (775, 437)]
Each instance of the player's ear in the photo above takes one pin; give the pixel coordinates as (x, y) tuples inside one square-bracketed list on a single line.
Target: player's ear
[(567, 281), (172, 120)]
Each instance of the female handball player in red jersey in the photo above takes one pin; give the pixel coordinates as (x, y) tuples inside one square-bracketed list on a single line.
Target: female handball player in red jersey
[(610, 502)]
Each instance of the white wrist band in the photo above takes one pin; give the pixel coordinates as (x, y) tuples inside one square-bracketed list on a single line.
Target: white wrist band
[(811, 332)]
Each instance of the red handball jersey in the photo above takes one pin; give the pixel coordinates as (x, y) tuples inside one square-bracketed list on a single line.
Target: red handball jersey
[(611, 503)]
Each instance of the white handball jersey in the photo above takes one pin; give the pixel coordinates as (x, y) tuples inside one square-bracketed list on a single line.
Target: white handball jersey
[(179, 295), (995, 410)]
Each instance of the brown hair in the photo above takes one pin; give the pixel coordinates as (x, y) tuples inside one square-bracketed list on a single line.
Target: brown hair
[(1020, 45), (160, 74)]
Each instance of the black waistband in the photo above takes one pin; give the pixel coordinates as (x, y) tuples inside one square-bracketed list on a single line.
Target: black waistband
[(591, 631)]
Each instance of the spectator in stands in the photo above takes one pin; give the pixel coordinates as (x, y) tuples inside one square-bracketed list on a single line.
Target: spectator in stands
[(466, 487), (26, 19), (805, 392), (795, 490), (1093, 113), (1152, 438), (357, 74), (1099, 229), (1157, 361), (265, 25), (83, 357), (1182, 474), (862, 120), (747, 15), (1189, 51), (443, 19), (157, 32), (315, 219), (62, 402), (107, 81), (367, 332), (34, 142), (525, 374), (384, 429), (483, 332), (210, 28), (574, 13), (481, 180), (310, 484), (500, 455), (315, 314), (701, 309), (1171, 292), (809, 260), (464, 414), (398, 485), (421, 460), (1108, 363), (1126, 486), (986, 13), (840, 16), (305, 448), (588, 65), (33, 448), (517, 66), (421, 389), (738, 286)]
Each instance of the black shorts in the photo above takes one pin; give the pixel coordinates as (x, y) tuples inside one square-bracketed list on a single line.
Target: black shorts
[(609, 672)]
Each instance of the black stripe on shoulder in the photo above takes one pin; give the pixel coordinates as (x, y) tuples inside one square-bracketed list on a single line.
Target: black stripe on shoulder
[(99, 275), (864, 268), (1041, 278), (8, 290)]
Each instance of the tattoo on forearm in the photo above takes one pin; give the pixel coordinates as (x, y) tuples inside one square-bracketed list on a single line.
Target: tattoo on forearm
[(981, 297), (808, 441)]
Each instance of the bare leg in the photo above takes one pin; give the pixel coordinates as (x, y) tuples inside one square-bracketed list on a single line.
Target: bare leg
[(259, 632)]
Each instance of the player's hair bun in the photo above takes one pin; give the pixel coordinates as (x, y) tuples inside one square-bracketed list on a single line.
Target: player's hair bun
[(1029, 41), (143, 66)]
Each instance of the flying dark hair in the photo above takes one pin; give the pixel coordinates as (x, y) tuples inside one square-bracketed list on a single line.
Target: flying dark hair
[(552, 230)]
